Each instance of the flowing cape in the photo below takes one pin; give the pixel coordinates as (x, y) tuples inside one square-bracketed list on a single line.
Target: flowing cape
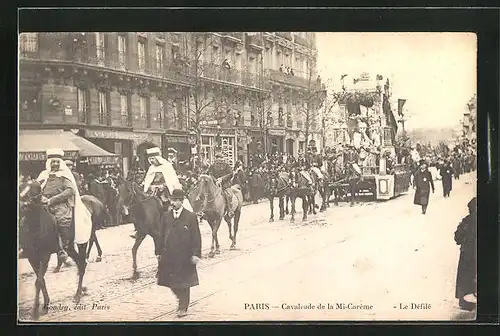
[(83, 217), (171, 180)]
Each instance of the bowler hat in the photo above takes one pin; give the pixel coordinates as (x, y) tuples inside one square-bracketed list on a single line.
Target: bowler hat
[(178, 193)]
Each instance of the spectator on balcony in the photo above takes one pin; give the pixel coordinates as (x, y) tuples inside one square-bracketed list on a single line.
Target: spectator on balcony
[(226, 65), (281, 68), (291, 72), (318, 79), (287, 70)]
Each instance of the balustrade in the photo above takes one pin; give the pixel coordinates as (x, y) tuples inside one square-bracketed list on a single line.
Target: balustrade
[(287, 35)]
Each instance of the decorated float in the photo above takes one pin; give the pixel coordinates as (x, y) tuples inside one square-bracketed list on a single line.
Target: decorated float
[(366, 123)]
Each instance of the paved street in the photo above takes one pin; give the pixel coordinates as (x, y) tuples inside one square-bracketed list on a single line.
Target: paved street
[(380, 256)]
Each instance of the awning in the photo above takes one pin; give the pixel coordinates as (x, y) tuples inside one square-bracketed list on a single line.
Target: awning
[(34, 143)]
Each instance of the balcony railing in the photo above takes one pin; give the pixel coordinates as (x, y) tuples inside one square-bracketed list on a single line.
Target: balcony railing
[(302, 41), (286, 35), (120, 61), (232, 35), (295, 79), (255, 40), (218, 72)]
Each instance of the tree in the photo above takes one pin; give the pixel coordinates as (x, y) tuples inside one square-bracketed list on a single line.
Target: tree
[(207, 100), (313, 96)]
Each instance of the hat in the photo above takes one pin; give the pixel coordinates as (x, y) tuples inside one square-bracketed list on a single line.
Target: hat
[(178, 194), (171, 150), (154, 151), (218, 155), (422, 162), (54, 153), (68, 162)]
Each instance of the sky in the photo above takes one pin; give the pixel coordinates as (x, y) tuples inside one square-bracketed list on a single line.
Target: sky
[(434, 72)]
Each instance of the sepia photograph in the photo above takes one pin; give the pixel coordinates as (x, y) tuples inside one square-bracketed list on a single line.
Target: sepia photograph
[(246, 176)]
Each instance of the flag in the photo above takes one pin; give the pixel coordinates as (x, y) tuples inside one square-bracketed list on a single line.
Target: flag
[(343, 76), (355, 80), (401, 103), (391, 121), (380, 77)]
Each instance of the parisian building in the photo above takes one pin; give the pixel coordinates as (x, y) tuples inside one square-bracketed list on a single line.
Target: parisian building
[(125, 92)]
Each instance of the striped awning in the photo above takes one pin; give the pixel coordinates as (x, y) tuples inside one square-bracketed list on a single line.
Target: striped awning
[(34, 143)]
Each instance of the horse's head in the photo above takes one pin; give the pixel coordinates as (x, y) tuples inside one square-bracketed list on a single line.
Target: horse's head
[(30, 193), (206, 184), (127, 192)]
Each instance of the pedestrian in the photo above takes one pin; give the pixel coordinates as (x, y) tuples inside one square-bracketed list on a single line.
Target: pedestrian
[(446, 172), (423, 184), (465, 236), (178, 251)]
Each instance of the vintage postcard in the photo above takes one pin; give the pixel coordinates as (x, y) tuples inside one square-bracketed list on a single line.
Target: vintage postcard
[(246, 176)]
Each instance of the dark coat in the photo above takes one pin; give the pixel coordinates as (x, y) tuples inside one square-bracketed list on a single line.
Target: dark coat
[(178, 241), (465, 236), (423, 183), (446, 173)]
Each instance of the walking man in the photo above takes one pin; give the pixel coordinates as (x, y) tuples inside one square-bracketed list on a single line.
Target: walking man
[(423, 184), (446, 172), (178, 251)]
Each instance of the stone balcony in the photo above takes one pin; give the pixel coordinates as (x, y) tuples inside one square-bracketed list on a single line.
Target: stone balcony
[(302, 41), (254, 41), (286, 35), (233, 36), (278, 76)]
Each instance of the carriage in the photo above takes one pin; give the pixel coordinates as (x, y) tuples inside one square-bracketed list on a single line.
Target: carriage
[(384, 186)]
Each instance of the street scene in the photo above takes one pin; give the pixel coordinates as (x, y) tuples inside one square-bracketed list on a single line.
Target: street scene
[(230, 176)]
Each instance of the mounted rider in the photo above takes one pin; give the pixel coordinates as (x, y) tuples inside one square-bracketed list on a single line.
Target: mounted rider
[(61, 195), (223, 173)]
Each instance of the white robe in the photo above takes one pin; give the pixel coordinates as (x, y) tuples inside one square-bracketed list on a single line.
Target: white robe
[(83, 217), (169, 175)]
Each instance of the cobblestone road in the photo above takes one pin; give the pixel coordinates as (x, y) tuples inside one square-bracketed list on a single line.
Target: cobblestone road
[(383, 256)]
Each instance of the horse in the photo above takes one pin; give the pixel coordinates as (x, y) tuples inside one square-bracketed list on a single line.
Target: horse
[(208, 201), (39, 239), (278, 186), (146, 211), (107, 195), (302, 188), (98, 212)]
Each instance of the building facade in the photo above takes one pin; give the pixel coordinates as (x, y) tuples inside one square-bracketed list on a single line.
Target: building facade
[(126, 92)]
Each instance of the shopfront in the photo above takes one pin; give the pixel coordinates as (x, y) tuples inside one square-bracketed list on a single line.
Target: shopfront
[(275, 140), (123, 143), (179, 142), (210, 140)]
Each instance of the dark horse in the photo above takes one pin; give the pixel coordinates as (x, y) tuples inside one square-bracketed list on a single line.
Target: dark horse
[(302, 188), (39, 239), (146, 212), (107, 195), (208, 201), (277, 186), (256, 185)]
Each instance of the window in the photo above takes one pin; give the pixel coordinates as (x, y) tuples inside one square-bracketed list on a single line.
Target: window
[(142, 106), (252, 65), (103, 108), (29, 42), (141, 51), (160, 51), (123, 105), (279, 59), (175, 52), (122, 51), (99, 42), (82, 107), (215, 55)]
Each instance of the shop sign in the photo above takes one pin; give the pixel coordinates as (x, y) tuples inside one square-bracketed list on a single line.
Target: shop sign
[(175, 138), (119, 135), (41, 156), (106, 160), (277, 132)]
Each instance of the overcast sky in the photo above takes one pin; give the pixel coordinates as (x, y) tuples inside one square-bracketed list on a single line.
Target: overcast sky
[(435, 72)]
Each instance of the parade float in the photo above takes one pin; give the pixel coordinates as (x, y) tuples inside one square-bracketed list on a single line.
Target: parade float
[(366, 122)]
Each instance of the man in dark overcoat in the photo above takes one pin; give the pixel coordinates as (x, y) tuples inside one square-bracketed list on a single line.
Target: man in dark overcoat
[(423, 184), (178, 251), (465, 236), (446, 172), (456, 167)]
